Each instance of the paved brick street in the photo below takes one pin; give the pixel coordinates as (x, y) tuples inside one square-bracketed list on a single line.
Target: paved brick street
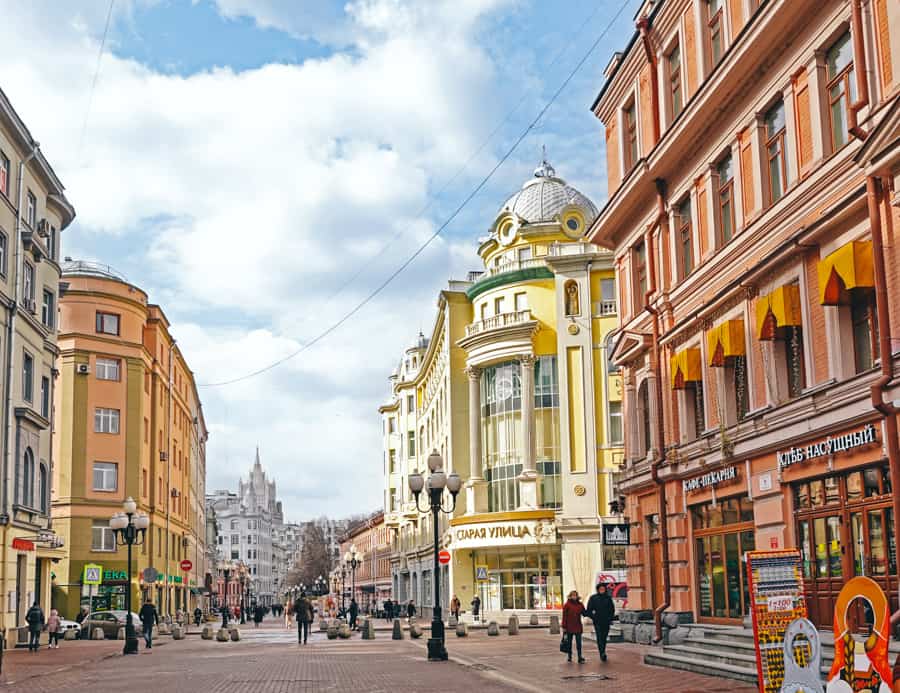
[(269, 660)]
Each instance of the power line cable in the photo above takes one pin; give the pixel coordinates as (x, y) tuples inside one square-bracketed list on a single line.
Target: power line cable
[(359, 306), (87, 112)]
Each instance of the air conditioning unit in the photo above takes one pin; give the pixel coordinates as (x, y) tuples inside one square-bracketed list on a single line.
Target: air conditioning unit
[(43, 228), (83, 369)]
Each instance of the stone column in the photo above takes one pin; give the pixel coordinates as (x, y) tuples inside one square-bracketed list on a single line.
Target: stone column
[(528, 486), (476, 488)]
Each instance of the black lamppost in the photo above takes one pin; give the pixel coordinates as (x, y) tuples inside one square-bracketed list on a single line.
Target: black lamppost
[(352, 559), (130, 529), (226, 569), (242, 572), (435, 485), (343, 586), (320, 585)]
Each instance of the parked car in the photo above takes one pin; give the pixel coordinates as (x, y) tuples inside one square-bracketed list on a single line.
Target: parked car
[(110, 622), (65, 624)]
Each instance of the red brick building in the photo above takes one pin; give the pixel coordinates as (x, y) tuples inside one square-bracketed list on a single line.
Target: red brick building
[(371, 584)]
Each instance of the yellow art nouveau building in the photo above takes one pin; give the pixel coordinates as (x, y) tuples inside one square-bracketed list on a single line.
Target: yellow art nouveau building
[(528, 413)]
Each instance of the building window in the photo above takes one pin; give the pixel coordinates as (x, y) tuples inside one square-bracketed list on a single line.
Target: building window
[(615, 423), (4, 174), (28, 478), (102, 538), (865, 328), (27, 377), (499, 305), (107, 369), (28, 282), (643, 405), (410, 444), (106, 420), (685, 239), (3, 247), (47, 309), (639, 262), (725, 177), (106, 476), (392, 425), (107, 323), (45, 397), (392, 461), (629, 118), (51, 243), (31, 209), (43, 488), (841, 88), (524, 254), (611, 366), (410, 404), (737, 391), (521, 301), (673, 60), (716, 23), (694, 409), (775, 129), (546, 425)]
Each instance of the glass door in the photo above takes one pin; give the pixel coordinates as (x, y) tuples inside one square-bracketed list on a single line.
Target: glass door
[(722, 570)]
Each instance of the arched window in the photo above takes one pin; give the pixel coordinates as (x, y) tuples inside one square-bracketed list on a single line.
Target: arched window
[(42, 488), (611, 367), (28, 479)]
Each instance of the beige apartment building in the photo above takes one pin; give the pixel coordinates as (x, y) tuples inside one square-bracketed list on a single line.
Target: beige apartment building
[(752, 154), (33, 213)]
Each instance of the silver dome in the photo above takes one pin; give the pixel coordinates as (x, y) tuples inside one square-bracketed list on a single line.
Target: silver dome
[(543, 197)]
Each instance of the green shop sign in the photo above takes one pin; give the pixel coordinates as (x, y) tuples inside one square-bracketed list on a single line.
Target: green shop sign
[(114, 575), (177, 579)]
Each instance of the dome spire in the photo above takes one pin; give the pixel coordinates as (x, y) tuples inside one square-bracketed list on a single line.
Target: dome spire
[(544, 170)]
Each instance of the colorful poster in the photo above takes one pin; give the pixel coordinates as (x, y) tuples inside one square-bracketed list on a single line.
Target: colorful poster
[(861, 666), (775, 582)]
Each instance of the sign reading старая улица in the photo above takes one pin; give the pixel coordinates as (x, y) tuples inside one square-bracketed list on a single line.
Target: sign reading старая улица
[(829, 446)]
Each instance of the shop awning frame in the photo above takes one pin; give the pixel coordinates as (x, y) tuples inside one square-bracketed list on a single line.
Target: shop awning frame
[(780, 308), (686, 366), (849, 267), (725, 340)]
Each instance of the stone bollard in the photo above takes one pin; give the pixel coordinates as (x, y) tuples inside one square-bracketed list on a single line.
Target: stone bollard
[(554, 624), (235, 635), (155, 632), (533, 620), (512, 627), (178, 633), (368, 629), (415, 630), (398, 630), (493, 628), (97, 634), (344, 631), (462, 630), (121, 634), (451, 623), (332, 631), (70, 634), (323, 625), (164, 629), (222, 635), (207, 633)]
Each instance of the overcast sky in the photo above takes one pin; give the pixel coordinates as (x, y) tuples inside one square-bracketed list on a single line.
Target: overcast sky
[(243, 160)]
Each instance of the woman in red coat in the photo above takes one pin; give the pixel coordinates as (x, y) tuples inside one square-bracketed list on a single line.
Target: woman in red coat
[(572, 612)]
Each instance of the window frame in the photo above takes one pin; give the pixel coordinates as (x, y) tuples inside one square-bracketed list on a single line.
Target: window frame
[(28, 470), (28, 280), (103, 414), (30, 217), (5, 165), (617, 442), (106, 361), (715, 24), (640, 277), (100, 323), (4, 250), (676, 84), (684, 238), (631, 153), (48, 309), (777, 139), (723, 189), (105, 473), (106, 535), (45, 396), (845, 77), (866, 297), (27, 376)]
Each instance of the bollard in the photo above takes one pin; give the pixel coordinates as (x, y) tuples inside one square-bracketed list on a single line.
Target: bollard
[(207, 633), (344, 631), (332, 631), (121, 634), (554, 624), (452, 622), (534, 620), (235, 635), (415, 630), (398, 630), (178, 633), (493, 628), (71, 634), (222, 635), (323, 625), (97, 634), (512, 627), (368, 629), (462, 630)]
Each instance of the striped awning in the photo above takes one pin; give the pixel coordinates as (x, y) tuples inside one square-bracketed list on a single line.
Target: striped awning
[(724, 340), (686, 367), (848, 267), (780, 308)]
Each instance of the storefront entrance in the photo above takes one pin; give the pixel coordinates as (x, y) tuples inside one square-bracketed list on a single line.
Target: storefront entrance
[(723, 534), (523, 578), (845, 528)]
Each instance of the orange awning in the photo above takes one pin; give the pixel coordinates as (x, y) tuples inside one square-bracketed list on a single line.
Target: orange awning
[(848, 267), (780, 308), (724, 340), (686, 367)]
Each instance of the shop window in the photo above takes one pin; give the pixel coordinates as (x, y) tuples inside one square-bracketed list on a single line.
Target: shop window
[(775, 154), (841, 89), (865, 328)]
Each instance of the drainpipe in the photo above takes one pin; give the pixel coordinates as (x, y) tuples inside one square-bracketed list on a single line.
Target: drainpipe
[(167, 585), (874, 195), (643, 25), (656, 368), (861, 70)]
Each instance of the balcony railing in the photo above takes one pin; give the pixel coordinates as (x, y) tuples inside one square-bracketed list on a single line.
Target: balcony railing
[(513, 266), (495, 322), (580, 248), (606, 307)]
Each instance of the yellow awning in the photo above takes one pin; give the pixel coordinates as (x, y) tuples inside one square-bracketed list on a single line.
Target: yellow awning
[(781, 308), (848, 267), (686, 367), (724, 340)]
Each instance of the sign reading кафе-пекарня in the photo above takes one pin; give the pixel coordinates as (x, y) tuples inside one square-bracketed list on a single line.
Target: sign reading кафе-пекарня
[(828, 446), (719, 476)]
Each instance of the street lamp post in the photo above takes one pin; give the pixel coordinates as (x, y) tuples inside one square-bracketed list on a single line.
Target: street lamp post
[(226, 569), (243, 579), (129, 529), (320, 585), (343, 585), (435, 485), (352, 559)]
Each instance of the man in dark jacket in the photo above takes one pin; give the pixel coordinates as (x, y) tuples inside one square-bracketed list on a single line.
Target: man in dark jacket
[(149, 618), (601, 610), (388, 609), (410, 609), (35, 620), (354, 613), (303, 611)]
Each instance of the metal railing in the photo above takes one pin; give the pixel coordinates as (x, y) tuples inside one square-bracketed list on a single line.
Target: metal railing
[(496, 322), (580, 248), (513, 266)]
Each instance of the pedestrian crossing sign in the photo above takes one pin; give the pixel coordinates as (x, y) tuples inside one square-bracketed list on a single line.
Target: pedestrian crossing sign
[(93, 574), (481, 572)]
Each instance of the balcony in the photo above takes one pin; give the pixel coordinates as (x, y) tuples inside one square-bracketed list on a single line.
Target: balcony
[(512, 266), (604, 308), (507, 273), (496, 322), (580, 248)]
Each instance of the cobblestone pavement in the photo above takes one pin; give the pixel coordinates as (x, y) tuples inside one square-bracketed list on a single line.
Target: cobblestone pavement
[(269, 660)]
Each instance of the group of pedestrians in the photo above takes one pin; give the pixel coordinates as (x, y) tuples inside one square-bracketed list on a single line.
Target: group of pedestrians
[(600, 609)]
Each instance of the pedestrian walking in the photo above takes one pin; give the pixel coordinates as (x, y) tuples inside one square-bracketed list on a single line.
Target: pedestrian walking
[(198, 616), (304, 612), (410, 609), (258, 613), (354, 612), (601, 610), (476, 607), (35, 620), (54, 626), (79, 619), (388, 609), (572, 612), (288, 615), (149, 618), (454, 607)]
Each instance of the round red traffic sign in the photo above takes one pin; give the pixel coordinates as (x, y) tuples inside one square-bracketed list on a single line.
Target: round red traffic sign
[(444, 557), (186, 565)]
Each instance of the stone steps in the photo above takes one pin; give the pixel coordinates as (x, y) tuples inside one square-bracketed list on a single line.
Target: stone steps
[(674, 660)]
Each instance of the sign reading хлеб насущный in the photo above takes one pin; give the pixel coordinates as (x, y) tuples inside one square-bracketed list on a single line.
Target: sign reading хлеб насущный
[(828, 446)]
